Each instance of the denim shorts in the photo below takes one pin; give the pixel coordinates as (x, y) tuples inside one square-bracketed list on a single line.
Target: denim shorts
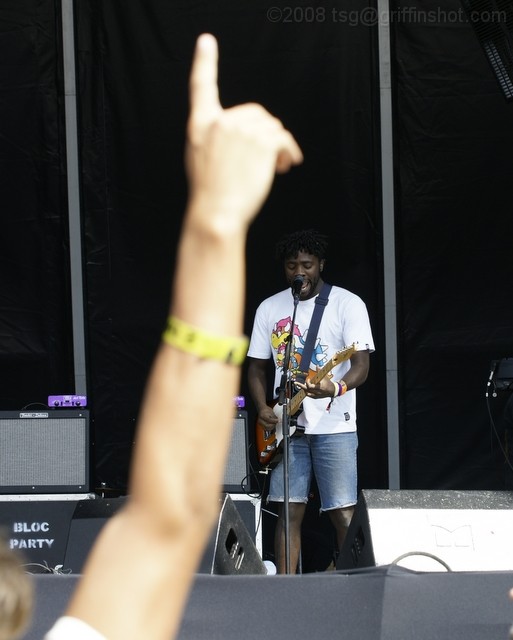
[(331, 458)]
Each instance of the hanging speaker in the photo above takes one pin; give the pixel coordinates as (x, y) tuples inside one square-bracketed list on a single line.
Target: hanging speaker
[(236, 474), (492, 24), (44, 451)]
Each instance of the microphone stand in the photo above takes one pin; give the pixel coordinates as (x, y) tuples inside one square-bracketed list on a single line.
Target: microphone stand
[(286, 385)]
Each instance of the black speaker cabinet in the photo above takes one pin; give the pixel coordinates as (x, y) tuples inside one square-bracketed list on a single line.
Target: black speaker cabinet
[(88, 519), (44, 451), (431, 530), (236, 475), (38, 528), (231, 549)]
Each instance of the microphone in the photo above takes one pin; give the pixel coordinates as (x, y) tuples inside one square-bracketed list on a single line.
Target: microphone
[(297, 283)]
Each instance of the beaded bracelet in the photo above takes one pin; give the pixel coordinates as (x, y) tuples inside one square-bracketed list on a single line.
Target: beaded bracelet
[(204, 345)]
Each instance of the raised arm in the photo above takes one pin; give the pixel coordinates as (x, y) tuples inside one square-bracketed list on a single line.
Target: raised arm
[(140, 570)]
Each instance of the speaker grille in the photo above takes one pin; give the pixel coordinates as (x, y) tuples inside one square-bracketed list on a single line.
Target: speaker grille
[(44, 454), (492, 21), (236, 475)]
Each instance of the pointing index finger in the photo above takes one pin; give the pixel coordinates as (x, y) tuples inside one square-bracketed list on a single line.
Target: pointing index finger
[(204, 93)]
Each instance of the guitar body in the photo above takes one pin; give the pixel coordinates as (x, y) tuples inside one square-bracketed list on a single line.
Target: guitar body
[(269, 441)]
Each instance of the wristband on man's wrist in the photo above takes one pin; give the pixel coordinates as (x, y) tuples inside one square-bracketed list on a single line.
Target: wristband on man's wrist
[(340, 388)]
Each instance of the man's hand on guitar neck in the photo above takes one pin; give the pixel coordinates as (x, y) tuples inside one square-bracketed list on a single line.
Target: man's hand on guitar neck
[(322, 389), (267, 418)]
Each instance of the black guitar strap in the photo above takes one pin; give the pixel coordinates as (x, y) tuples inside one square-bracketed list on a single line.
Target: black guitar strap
[(320, 304)]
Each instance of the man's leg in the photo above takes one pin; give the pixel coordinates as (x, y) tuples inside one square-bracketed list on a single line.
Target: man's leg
[(341, 519), (296, 515), (335, 468)]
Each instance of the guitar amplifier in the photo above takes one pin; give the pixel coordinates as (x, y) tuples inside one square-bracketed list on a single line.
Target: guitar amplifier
[(236, 473), (44, 451)]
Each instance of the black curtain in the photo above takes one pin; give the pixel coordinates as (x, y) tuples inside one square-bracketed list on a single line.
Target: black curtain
[(454, 156), (36, 356), (318, 75)]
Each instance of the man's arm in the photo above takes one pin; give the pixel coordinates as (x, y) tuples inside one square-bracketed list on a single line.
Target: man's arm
[(138, 575), (359, 370), (257, 384)]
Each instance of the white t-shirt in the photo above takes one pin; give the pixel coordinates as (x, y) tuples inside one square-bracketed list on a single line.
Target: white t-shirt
[(68, 628), (345, 322)]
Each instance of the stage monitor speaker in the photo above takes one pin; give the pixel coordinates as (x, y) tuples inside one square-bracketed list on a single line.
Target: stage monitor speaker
[(236, 475), (231, 549), (44, 451), (250, 510), (431, 531)]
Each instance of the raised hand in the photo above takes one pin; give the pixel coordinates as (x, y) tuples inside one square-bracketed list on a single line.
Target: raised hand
[(232, 154)]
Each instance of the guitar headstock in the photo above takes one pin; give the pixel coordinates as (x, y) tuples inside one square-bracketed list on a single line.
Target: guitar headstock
[(343, 355)]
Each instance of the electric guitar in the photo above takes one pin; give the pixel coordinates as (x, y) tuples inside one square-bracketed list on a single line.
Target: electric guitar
[(268, 441)]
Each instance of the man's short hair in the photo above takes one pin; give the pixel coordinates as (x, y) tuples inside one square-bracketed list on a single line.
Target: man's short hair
[(307, 240)]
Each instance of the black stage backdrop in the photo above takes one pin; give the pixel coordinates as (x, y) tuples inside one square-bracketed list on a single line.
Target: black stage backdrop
[(316, 66), (36, 356), (134, 59), (455, 225)]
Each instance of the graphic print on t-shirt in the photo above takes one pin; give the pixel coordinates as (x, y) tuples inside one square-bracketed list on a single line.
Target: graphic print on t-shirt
[(279, 339)]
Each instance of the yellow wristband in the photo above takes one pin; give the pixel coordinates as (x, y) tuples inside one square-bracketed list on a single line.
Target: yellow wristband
[(343, 388), (204, 345)]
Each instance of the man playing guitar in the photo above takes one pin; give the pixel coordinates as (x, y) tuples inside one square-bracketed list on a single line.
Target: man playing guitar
[(328, 418)]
